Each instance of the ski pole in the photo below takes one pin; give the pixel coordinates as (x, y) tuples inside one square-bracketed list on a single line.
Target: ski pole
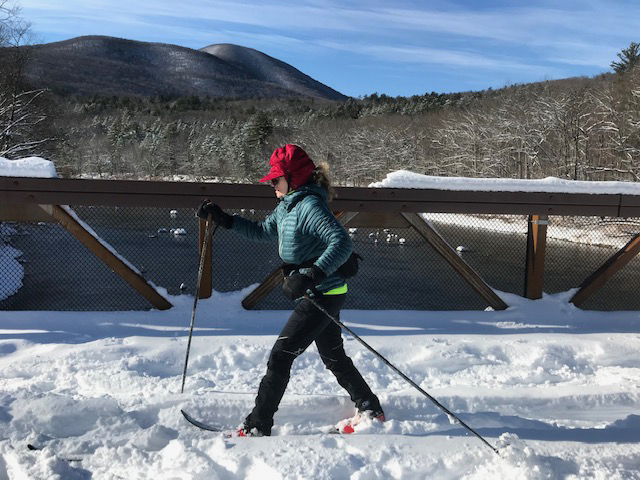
[(195, 297), (395, 369)]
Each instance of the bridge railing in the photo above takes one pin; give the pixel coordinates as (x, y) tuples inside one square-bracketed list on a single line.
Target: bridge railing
[(394, 226)]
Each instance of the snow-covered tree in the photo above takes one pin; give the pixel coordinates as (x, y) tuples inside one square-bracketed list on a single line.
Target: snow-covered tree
[(21, 114)]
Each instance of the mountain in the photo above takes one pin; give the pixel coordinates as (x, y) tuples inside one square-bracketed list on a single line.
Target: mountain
[(270, 70), (114, 66)]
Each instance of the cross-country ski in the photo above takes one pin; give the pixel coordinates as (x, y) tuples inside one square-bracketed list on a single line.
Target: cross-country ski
[(199, 424)]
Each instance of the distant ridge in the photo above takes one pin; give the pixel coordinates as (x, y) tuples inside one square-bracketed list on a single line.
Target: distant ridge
[(114, 66)]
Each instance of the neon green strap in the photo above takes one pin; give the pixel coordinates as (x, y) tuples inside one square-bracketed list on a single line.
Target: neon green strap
[(337, 291)]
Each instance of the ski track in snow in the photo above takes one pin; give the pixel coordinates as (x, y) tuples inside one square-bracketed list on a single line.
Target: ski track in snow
[(554, 388)]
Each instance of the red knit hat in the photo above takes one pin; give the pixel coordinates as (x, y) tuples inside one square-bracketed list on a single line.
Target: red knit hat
[(292, 163)]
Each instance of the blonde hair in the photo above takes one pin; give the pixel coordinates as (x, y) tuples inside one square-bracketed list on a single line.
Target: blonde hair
[(322, 178)]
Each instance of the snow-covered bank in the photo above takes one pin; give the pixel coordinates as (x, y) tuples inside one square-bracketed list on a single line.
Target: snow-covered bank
[(11, 270), (407, 179), (593, 231), (556, 388)]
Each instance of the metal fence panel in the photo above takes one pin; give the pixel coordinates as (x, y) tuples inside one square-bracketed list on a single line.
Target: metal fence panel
[(44, 268)]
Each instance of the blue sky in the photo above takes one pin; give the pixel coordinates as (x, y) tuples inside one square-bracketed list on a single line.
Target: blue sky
[(396, 47)]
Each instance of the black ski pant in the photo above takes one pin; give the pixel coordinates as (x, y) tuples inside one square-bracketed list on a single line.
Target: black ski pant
[(306, 325)]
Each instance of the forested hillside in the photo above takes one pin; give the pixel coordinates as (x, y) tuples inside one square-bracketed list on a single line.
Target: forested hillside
[(577, 128)]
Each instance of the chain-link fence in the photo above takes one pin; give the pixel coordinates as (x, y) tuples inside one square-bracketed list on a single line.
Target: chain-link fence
[(43, 267)]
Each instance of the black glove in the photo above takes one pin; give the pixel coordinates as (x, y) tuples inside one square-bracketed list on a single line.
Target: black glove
[(298, 284), (219, 216)]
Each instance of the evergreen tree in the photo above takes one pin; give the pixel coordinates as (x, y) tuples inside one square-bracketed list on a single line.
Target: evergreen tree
[(629, 57), (255, 135)]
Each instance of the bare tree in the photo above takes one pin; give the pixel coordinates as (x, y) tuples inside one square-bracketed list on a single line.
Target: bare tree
[(471, 144), (21, 113), (9, 19), (617, 106)]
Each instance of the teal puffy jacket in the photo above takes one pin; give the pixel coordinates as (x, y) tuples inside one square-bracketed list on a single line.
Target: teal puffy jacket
[(305, 229)]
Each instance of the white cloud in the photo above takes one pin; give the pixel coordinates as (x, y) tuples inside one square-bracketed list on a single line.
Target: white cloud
[(537, 27), (432, 56)]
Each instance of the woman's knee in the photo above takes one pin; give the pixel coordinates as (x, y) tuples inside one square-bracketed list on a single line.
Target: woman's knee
[(281, 361), (337, 360)]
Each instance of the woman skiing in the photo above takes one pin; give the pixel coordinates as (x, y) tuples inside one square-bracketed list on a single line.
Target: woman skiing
[(314, 245)]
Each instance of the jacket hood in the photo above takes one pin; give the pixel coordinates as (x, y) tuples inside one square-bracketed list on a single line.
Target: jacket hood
[(305, 190)]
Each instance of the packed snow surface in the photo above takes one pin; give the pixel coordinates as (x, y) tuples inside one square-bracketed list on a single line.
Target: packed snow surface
[(554, 388)]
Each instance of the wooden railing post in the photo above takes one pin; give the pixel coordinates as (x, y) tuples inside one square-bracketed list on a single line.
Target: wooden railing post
[(534, 261)]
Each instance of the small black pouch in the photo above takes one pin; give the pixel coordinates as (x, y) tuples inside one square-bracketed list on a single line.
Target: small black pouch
[(350, 268)]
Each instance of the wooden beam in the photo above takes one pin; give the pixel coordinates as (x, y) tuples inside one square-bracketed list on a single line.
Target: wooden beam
[(58, 191), (276, 276), (23, 212), (346, 217), (378, 220), (459, 265), (606, 271), (629, 206), (534, 261), (119, 266), (272, 281), (206, 282)]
